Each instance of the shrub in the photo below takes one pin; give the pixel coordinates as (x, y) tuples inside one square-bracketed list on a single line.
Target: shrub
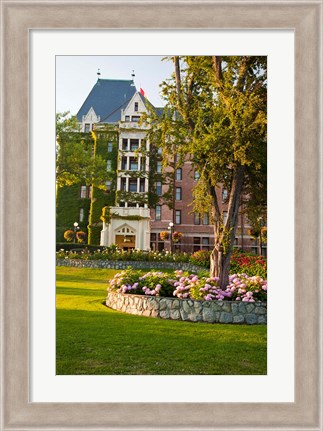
[(248, 263), (201, 257), (247, 289), (69, 235), (152, 283)]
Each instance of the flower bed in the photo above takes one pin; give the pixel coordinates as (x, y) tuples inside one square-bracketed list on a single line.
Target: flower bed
[(241, 262), (182, 285)]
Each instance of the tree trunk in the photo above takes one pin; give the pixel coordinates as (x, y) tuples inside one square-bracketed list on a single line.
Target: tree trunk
[(224, 234)]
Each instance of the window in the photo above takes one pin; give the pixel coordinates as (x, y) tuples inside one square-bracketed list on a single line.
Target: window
[(196, 175), (133, 185), (178, 194), (123, 184), (179, 174), (225, 216), (134, 144), (135, 118), (159, 188), (159, 166), (125, 144), (83, 192), (108, 186), (127, 118), (205, 243), (87, 128), (136, 106), (81, 218), (224, 195), (142, 185), (197, 219), (160, 150), (124, 163), (109, 147), (109, 165), (158, 212), (178, 217), (206, 218), (196, 243), (133, 164)]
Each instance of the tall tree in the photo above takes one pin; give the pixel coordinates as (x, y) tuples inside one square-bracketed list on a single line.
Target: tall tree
[(76, 158), (216, 116)]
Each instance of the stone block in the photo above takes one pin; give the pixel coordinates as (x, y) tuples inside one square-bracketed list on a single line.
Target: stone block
[(197, 307), (162, 304), (146, 313), (164, 314), (153, 303), (251, 319), (208, 315), (185, 305), (154, 313), (234, 308), (242, 308), (260, 310), (238, 318), (175, 304), (225, 317), (250, 307), (262, 319), (226, 307), (175, 314)]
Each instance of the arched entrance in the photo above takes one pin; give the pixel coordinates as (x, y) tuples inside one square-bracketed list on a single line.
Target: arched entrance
[(125, 238)]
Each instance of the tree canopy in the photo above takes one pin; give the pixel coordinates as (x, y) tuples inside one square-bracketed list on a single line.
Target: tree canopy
[(76, 158), (216, 116)]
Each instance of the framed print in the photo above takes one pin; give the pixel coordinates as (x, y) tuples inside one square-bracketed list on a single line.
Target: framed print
[(26, 24)]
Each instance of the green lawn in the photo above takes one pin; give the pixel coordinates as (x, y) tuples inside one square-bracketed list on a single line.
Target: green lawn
[(93, 339)]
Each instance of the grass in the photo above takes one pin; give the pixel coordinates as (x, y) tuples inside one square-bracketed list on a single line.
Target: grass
[(93, 339)]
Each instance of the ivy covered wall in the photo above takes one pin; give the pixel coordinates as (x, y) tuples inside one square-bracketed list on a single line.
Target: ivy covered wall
[(69, 201), (105, 145)]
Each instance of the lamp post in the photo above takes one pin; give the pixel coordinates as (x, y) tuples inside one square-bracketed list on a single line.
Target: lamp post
[(260, 241), (75, 224), (171, 228)]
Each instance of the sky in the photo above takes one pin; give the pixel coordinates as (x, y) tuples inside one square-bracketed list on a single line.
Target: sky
[(76, 75)]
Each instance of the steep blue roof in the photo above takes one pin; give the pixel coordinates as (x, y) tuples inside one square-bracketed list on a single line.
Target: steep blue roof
[(107, 98)]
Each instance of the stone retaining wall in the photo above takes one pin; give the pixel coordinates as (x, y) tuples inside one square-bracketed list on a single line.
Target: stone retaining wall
[(119, 264), (189, 310)]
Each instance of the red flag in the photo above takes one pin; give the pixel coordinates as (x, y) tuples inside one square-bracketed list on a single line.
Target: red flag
[(142, 92)]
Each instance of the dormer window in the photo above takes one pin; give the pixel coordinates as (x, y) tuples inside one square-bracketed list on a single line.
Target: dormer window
[(135, 118), (87, 128), (127, 118), (136, 106)]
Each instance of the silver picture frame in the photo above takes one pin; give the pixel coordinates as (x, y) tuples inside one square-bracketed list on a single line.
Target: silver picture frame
[(18, 18)]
